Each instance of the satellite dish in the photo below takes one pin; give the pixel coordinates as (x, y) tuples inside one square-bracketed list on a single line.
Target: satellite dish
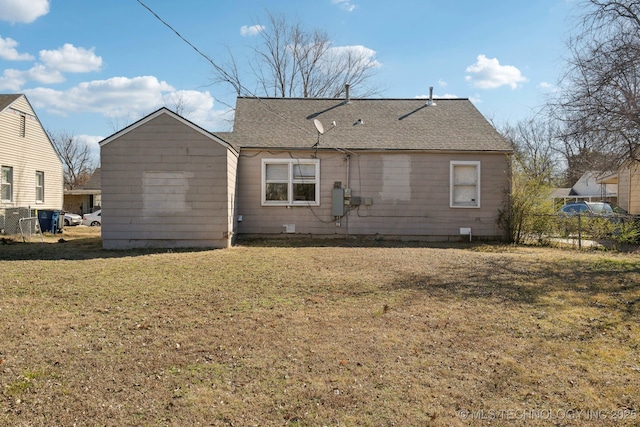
[(318, 126)]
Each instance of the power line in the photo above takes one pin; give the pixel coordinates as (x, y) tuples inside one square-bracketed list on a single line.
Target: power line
[(218, 68)]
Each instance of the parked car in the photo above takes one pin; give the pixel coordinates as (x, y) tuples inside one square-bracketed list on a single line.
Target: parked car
[(72, 219), (93, 219), (588, 208), (620, 211)]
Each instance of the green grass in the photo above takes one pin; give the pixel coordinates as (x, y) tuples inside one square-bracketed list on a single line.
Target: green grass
[(320, 333)]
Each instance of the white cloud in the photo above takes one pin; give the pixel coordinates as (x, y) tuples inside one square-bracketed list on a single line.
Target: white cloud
[(71, 59), (198, 108), (23, 10), (12, 80), (114, 96), (92, 142), (124, 100), (548, 87), (251, 30), (489, 74), (8, 51), (363, 54), (44, 75), (345, 4), (442, 83), (443, 96)]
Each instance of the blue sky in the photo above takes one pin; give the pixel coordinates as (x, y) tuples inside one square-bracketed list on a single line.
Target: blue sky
[(92, 67)]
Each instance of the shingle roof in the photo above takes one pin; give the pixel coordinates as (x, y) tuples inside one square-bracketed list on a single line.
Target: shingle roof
[(7, 99), (386, 124)]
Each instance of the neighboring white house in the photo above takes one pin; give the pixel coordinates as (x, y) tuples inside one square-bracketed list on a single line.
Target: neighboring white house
[(31, 171), (592, 186)]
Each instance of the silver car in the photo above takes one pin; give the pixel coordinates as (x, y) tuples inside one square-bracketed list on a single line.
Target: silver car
[(72, 219), (93, 219)]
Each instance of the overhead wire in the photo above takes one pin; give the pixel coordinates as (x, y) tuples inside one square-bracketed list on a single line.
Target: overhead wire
[(216, 66)]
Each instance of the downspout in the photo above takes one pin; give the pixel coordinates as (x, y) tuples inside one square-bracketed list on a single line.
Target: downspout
[(348, 160)]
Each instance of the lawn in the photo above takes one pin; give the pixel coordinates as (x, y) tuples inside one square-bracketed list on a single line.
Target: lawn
[(317, 334)]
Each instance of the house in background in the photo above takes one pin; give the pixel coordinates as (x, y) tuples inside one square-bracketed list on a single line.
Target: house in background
[(32, 172), (629, 187), (167, 183), (390, 168), (86, 198), (592, 186)]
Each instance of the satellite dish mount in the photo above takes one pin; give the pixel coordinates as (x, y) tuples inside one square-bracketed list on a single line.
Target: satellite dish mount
[(320, 128)]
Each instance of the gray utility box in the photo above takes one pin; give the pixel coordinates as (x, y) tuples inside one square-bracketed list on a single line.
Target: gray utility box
[(337, 202)]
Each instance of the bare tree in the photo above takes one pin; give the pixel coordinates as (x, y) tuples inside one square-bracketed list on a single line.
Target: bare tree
[(600, 101), (536, 147), (290, 61), (535, 167), (76, 157)]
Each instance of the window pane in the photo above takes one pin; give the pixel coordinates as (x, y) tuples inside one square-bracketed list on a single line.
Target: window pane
[(277, 192), (277, 172), (465, 175), (465, 185), (40, 186), (304, 192), (304, 172), (465, 195), (7, 181), (6, 175)]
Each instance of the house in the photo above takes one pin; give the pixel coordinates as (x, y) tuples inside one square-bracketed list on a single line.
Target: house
[(629, 187), (167, 183), (86, 198), (385, 168), (592, 186), (32, 172)]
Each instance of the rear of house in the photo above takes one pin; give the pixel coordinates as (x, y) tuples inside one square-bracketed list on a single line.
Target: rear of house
[(167, 183), (386, 168)]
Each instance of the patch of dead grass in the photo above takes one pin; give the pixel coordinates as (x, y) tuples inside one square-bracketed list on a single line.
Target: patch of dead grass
[(265, 334)]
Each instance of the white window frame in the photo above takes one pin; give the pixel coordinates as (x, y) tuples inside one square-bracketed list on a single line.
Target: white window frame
[(4, 183), (39, 187), (290, 182), (453, 185)]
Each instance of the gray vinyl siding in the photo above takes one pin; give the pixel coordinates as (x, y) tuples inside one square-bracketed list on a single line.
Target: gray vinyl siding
[(165, 184), (409, 191), (28, 154)]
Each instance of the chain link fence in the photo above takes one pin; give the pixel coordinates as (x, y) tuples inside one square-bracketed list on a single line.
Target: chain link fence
[(584, 230), (19, 221)]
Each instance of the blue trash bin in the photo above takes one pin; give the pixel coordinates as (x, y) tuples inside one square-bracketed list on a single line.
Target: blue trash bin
[(55, 217), (44, 219), (49, 220)]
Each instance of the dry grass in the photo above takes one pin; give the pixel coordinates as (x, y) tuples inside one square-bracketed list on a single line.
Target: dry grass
[(317, 334)]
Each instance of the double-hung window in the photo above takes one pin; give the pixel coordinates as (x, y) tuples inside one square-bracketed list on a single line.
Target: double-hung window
[(6, 184), (464, 184), (288, 182), (39, 187)]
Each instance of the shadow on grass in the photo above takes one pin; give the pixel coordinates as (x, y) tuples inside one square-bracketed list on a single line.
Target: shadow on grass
[(521, 283), (352, 242), (74, 250)]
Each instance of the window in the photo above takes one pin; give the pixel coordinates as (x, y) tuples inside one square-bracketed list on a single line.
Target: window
[(23, 125), (39, 187), (6, 183), (465, 184), (290, 182)]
